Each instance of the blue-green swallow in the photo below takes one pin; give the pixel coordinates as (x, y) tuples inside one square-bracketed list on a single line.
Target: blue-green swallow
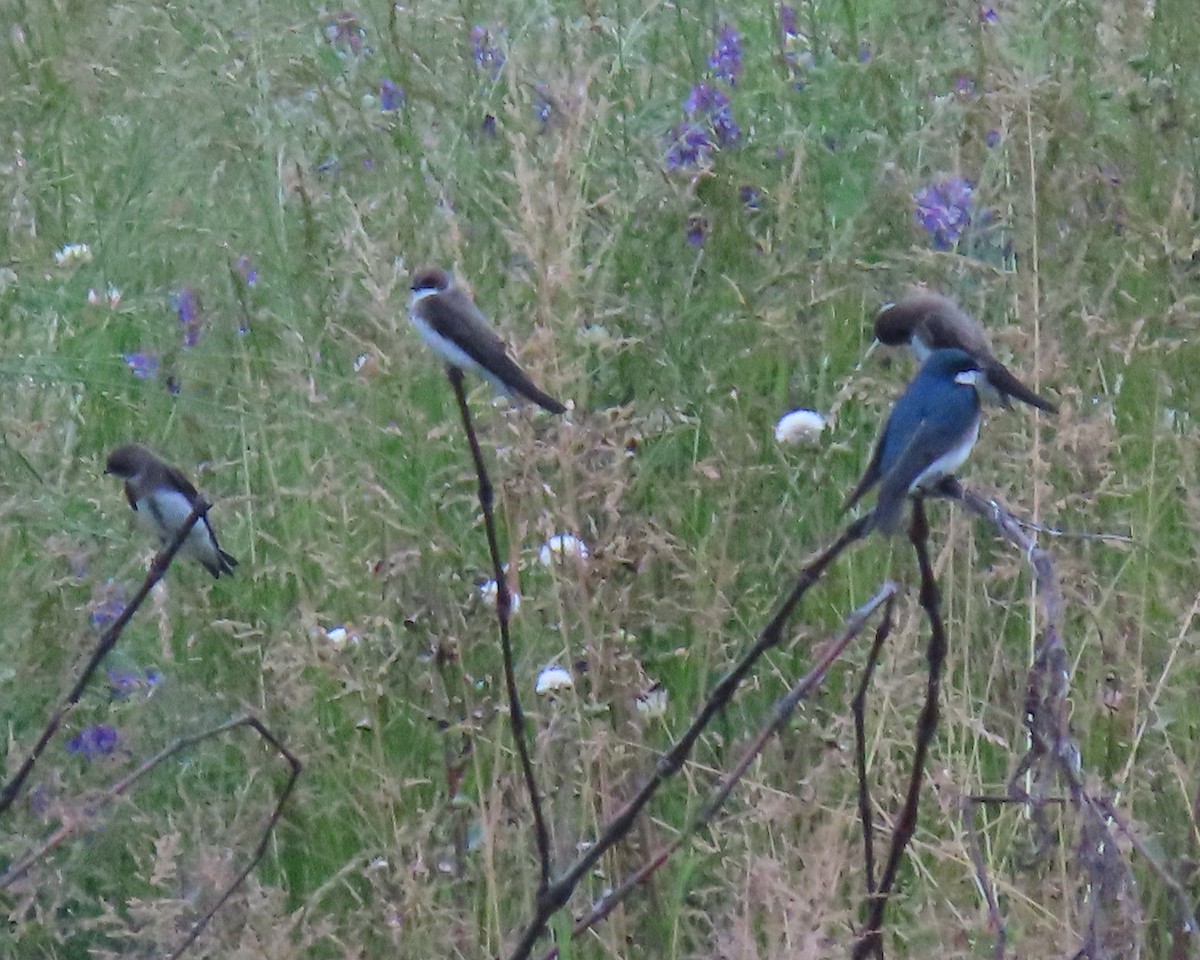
[(461, 335), (929, 435), (162, 498)]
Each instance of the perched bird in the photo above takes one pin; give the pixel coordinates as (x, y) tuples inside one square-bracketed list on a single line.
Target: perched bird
[(929, 434), (925, 321), (162, 499), (460, 334)]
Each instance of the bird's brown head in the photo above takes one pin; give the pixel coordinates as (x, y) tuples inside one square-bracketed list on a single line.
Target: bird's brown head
[(433, 279), (938, 319), (894, 324), (128, 460)]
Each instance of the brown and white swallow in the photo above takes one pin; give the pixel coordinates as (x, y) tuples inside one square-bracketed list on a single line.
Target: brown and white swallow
[(925, 321), (450, 322), (162, 498)]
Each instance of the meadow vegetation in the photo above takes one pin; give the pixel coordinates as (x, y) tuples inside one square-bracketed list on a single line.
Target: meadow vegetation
[(684, 216)]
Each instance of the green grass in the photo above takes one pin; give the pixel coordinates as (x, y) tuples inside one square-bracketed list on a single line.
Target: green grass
[(175, 140)]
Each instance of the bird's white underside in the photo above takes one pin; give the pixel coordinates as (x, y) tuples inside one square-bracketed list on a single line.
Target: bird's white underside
[(948, 462), (446, 348), (174, 508)]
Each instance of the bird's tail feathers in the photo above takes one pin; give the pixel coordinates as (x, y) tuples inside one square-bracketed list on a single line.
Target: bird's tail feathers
[(223, 564), (888, 512)]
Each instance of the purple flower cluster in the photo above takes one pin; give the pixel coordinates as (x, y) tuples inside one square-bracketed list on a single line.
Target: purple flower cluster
[(789, 29), (487, 55), (98, 740), (750, 196), (543, 111), (690, 146), (123, 684), (707, 102), (187, 309), (345, 30), (107, 603), (726, 60), (709, 122), (391, 95), (944, 210), (794, 44), (708, 113), (246, 270), (144, 365)]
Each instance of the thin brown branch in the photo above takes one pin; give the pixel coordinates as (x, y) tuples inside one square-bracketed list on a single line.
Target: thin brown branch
[(870, 942), (516, 715), (859, 708)]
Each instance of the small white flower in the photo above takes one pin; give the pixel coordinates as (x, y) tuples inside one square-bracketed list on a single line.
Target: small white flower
[(72, 254), (800, 426), (488, 591), (652, 703), (562, 546), (339, 636), (553, 678), (114, 295), (93, 297)]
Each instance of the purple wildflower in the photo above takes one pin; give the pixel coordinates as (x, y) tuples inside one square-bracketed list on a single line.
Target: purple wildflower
[(704, 100), (697, 229), (107, 603), (726, 128), (964, 86), (726, 59), (793, 43), (123, 684), (944, 210), (346, 30), (488, 127), (689, 147), (751, 197), (864, 53), (391, 95), (94, 741), (143, 365), (543, 110), (247, 270), (707, 102), (788, 29), (988, 15), (487, 57), (992, 139), (187, 308)]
